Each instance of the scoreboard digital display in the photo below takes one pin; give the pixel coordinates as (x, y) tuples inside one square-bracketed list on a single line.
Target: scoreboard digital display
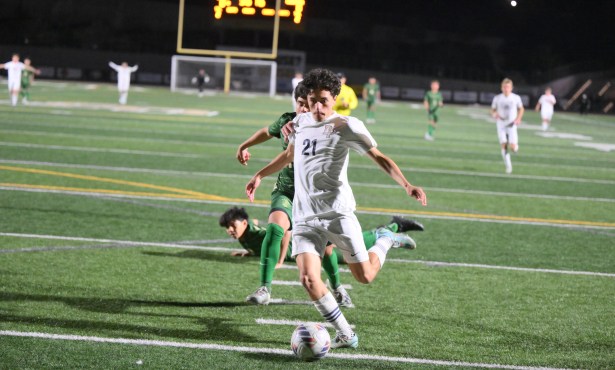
[(252, 8)]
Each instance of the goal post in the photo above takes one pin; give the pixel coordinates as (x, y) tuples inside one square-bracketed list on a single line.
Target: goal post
[(228, 74)]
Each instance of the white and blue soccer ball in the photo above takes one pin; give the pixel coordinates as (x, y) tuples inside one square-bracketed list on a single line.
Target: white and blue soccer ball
[(310, 341)]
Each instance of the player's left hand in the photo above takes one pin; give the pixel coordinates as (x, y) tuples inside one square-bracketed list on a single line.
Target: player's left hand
[(417, 193), (287, 130), (517, 121), (251, 187)]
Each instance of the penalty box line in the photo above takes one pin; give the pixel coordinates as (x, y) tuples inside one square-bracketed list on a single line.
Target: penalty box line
[(277, 351)]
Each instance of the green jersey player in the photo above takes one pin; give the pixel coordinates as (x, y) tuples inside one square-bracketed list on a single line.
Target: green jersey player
[(251, 235), (371, 94), (432, 103), (27, 76)]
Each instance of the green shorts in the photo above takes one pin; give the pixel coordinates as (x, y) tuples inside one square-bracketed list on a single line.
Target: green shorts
[(282, 202), (433, 116), (370, 102)]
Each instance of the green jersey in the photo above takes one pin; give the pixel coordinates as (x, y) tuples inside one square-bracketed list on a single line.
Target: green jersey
[(286, 178), (434, 99), (26, 77), (252, 238), (372, 91)]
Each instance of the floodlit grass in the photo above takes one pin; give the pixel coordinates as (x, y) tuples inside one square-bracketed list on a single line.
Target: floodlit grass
[(81, 186)]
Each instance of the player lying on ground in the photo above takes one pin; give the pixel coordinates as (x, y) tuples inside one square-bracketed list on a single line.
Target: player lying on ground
[(324, 205), (250, 234)]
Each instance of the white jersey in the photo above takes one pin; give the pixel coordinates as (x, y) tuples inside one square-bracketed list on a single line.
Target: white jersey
[(123, 75), (321, 163), (506, 108), (14, 74), (547, 102)]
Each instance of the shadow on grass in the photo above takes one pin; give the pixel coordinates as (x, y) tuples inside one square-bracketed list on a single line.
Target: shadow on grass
[(107, 305), (203, 255), (214, 329)]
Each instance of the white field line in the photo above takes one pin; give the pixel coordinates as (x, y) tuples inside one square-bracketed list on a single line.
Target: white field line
[(371, 185), (297, 283), (101, 150), (230, 145), (247, 203), (276, 351), (121, 242), (294, 267), (291, 322), (409, 169), (497, 175)]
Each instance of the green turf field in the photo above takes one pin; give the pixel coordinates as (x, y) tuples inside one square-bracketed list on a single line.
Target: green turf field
[(111, 255)]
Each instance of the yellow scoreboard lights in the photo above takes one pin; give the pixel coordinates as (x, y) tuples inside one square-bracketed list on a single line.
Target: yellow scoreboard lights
[(259, 7)]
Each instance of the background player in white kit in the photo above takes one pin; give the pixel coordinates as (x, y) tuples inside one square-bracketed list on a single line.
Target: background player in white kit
[(507, 109), (14, 68), (123, 79), (323, 207), (545, 105)]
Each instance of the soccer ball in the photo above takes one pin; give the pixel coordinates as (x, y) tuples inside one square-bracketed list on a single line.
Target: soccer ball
[(310, 341)]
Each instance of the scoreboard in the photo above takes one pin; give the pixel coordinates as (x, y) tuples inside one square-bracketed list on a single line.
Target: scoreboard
[(292, 9)]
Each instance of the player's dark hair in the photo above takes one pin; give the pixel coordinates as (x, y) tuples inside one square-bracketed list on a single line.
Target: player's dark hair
[(301, 91), (322, 79), (233, 214)]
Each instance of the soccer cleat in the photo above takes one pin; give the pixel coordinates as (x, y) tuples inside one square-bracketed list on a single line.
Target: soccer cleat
[(404, 225), (428, 137), (398, 239), (342, 297), (344, 341), (260, 296), (508, 169)]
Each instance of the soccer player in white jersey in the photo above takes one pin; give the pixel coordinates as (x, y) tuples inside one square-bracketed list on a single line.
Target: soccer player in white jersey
[(323, 207), (545, 105), (507, 109), (14, 68), (123, 79)]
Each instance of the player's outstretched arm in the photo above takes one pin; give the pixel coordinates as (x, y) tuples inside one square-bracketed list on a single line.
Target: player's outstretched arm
[(391, 168), (134, 68), (274, 166), (258, 137), (114, 66)]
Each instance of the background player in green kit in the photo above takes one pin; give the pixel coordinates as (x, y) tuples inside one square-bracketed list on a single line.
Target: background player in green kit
[(371, 94), (26, 80), (432, 102), (280, 213), (251, 235)]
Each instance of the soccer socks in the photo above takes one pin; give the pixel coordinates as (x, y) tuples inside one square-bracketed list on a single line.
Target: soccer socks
[(330, 310), (14, 99), (381, 248), (370, 236), (507, 162), (331, 267), (123, 97), (430, 129), (270, 253)]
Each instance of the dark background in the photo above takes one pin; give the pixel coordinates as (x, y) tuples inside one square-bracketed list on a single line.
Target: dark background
[(481, 40)]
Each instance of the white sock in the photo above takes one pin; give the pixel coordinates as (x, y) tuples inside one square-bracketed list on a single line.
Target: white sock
[(123, 98), (504, 154), (381, 248), (545, 126), (14, 99), (330, 310), (507, 161)]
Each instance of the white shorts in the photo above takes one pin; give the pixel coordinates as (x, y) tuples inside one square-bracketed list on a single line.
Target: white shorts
[(546, 115), (341, 229), (507, 133), (14, 85)]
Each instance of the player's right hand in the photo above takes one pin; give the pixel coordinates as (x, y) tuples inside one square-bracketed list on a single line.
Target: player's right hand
[(417, 193), (251, 187), (243, 156)]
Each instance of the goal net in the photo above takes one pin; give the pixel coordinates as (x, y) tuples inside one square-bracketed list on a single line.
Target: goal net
[(245, 75)]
